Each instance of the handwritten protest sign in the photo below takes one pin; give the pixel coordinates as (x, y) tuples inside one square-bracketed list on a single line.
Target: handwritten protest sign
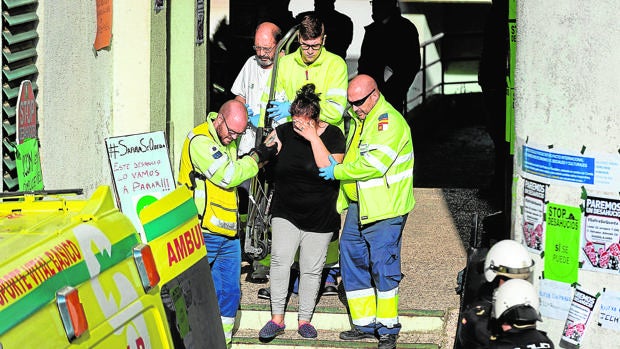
[(609, 316), (141, 171), (28, 164)]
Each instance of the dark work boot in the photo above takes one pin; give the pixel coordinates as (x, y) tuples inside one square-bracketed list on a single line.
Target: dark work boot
[(355, 334), (387, 341), (264, 293)]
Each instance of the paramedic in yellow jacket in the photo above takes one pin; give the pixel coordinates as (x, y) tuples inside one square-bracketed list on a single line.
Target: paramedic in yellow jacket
[(376, 184), (210, 167), (311, 63)]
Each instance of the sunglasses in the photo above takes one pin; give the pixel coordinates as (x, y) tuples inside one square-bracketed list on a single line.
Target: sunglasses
[(232, 133), (361, 101)]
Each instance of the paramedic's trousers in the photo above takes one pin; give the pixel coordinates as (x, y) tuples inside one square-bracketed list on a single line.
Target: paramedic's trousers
[(370, 268), (224, 255)]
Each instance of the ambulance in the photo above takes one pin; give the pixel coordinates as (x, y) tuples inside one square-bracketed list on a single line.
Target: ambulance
[(76, 273)]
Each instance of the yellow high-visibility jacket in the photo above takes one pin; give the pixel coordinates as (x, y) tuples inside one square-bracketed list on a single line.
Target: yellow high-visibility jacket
[(213, 171)]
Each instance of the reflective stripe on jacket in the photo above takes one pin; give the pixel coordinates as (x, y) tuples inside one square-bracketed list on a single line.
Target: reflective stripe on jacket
[(383, 167), (213, 172)]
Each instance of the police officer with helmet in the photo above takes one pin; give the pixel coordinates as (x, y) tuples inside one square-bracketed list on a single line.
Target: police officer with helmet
[(505, 260), (515, 308)]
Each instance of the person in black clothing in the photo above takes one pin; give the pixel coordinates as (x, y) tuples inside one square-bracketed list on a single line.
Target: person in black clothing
[(515, 310), (505, 260), (390, 52), (277, 12), (338, 27), (492, 76), (303, 209)]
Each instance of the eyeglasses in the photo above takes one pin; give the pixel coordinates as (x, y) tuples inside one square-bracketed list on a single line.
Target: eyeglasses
[(361, 101), (232, 133), (306, 47), (266, 50)]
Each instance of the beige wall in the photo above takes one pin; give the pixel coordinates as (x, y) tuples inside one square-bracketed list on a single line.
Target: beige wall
[(566, 86), (86, 96)]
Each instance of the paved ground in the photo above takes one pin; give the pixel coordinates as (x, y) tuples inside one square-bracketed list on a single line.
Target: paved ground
[(453, 162)]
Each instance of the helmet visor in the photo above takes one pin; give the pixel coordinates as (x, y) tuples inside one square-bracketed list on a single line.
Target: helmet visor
[(511, 272)]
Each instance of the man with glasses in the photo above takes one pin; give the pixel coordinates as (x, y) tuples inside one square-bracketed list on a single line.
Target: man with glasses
[(248, 88), (376, 185), (311, 63), (211, 168), (253, 79)]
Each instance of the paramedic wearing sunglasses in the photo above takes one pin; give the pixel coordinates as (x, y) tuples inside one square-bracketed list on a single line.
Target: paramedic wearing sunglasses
[(376, 185)]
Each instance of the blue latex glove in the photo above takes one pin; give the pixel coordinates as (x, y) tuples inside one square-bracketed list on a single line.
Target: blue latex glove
[(278, 110), (251, 116), (327, 173)]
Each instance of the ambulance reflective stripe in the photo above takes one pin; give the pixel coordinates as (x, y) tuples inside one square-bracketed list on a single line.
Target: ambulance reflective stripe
[(387, 307), (362, 305), (51, 275), (172, 228), (163, 224), (228, 323)]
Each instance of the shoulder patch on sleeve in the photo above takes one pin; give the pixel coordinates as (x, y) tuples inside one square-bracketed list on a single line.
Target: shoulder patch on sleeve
[(383, 122), (216, 153)]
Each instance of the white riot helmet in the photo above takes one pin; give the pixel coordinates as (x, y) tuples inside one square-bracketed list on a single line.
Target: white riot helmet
[(508, 258), (516, 302)]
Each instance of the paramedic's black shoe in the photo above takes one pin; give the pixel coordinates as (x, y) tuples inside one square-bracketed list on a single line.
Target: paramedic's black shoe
[(260, 275), (264, 293), (355, 334), (330, 290), (387, 341)]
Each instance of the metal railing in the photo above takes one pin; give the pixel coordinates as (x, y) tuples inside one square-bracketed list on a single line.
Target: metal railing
[(436, 41)]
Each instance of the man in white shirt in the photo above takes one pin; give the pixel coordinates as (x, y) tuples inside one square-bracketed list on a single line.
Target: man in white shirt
[(253, 79), (248, 88)]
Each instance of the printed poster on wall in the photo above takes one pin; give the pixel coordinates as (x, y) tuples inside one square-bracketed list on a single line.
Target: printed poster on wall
[(533, 215), (600, 171), (141, 172), (562, 243), (601, 238), (579, 317), (609, 316)]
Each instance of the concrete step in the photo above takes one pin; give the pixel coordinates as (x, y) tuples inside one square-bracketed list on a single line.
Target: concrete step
[(254, 317), (422, 329), (248, 339)]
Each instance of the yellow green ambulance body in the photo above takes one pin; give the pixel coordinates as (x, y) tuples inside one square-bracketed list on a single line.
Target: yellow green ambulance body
[(52, 247)]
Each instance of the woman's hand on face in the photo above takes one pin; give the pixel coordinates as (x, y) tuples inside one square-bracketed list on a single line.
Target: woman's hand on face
[(305, 128)]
